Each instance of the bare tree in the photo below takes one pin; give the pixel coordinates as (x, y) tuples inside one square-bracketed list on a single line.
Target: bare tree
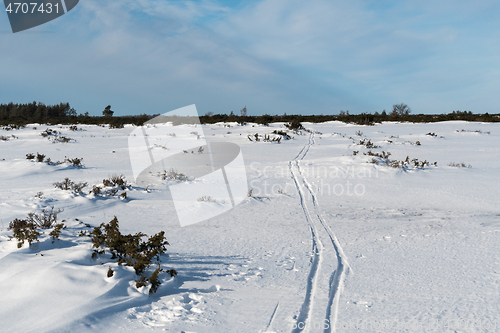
[(244, 111), (400, 110)]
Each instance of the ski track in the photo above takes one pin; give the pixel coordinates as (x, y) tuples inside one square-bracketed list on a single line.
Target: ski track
[(314, 221), (268, 328)]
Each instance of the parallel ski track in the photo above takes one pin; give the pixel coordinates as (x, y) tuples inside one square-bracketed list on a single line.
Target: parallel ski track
[(314, 220)]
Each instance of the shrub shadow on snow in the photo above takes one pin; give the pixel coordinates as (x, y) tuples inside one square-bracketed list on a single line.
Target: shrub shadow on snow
[(202, 268), (48, 245), (124, 296)]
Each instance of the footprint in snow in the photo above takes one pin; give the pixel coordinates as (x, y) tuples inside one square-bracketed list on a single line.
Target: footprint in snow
[(187, 306)]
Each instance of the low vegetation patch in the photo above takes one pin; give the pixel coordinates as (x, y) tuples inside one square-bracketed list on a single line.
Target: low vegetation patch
[(469, 131), (46, 219), (116, 125), (27, 229), (383, 155), (55, 136), (265, 138), (7, 138), (207, 198), (68, 185), (367, 143), (295, 126), (49, 132), (61, 139), (24, 231), (199, 151), (282, 133), (111, 186), (173, 174), (115, 180), (11, 127), (138, 251), (383, 159), (460, 165), (76, 162)]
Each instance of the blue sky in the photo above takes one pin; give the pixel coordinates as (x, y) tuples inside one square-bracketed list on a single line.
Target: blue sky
[(273, 56)]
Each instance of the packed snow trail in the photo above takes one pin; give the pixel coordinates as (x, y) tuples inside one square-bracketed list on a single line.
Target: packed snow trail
[(324, 256)]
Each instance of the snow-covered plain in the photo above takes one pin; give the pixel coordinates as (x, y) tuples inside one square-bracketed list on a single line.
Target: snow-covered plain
[(326, 243)]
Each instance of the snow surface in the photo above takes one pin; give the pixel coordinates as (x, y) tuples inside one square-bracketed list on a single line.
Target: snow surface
[(326, 243)]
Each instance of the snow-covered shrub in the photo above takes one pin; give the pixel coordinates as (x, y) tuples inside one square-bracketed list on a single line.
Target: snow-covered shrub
[(367, 142), (383, 155), (173, 175), (295, 125), (282, 133), (131, 250), (265, 138), (110, 272), (49, 132), (24, 231), (153, 279), (115, 181), (64, 185), (40, 157), (119, 181), (77, 162), (476, 131), (54, 136), (69, 185), (46, 219), (56, 232), (112, 192), (207, 198), (62, 139), (383, 159), (460, 165), (96, 190)]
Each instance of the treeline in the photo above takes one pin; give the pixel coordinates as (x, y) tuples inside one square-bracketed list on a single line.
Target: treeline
[(360, 119), (34, 111), (63, 113)]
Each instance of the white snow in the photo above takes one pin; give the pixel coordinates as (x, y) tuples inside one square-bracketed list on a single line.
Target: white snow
[(326, 243)]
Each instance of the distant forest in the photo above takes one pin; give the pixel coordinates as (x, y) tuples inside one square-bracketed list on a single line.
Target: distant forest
[(63, 113)]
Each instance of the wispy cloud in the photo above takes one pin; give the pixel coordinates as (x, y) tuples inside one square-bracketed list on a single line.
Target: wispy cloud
[(274, 56)]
